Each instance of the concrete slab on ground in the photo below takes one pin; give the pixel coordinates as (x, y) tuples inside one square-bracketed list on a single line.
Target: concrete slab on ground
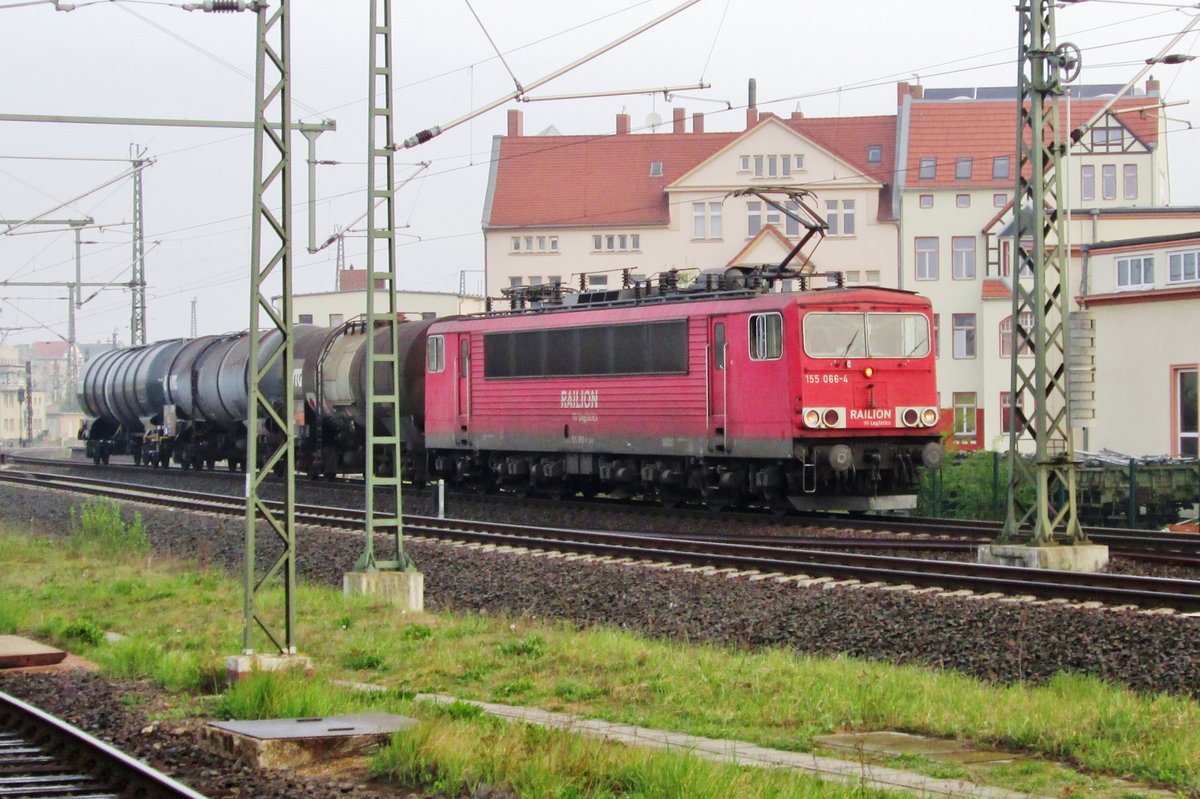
[(887, 742), (287, 743), (742, 753), (18, 652), (1057, 557)]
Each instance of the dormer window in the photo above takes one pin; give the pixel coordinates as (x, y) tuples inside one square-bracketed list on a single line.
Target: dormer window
[(874, 153), (928, 169), (963, 168), (656, 169)]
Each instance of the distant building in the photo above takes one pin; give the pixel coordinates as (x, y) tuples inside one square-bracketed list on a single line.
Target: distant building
[(331, 308), (920, 200), (16, 401)]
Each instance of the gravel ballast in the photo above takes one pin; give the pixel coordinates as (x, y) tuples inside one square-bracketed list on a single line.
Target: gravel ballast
[(987, 638)]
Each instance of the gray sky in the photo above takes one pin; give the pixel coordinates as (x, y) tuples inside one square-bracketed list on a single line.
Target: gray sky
[(151, 59)]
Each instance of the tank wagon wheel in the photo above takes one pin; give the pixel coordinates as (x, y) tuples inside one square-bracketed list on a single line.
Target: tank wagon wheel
[(104, 458), (233, 464), (95, 460), (210, 464)]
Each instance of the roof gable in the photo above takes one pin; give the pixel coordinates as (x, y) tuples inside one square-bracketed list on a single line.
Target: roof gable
[(983, 130), (772, 137), (769, 246)]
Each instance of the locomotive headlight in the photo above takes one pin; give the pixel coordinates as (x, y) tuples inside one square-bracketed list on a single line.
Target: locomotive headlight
[(929, 417), (812, 418), (910, 417), (869, 371), (831, 417)]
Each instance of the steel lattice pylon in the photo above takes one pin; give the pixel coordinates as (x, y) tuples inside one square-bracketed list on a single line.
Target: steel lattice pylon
[(137, 273), (382, 475), (1039, 242), (271, 254)]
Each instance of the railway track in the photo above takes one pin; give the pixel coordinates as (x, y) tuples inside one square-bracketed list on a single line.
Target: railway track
[(782, 561), (944, 535), (43, 756)]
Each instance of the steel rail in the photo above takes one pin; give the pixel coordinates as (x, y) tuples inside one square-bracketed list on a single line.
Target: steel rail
[(44, 756), (1149, 592), (1149, 546)]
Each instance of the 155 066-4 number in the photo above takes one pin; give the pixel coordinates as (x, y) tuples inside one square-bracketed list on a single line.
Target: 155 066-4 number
[(827, 378)]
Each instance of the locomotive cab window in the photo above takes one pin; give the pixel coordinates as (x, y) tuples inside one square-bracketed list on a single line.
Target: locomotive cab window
[(872, 335), (766, 337), (435, 353)]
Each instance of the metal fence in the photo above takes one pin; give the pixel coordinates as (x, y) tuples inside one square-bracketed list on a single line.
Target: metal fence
[(1113, 490)]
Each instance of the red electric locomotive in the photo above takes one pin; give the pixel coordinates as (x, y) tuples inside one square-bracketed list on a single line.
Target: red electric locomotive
[(727, 391)]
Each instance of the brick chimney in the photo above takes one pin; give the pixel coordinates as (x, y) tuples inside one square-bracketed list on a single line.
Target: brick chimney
[(906, 89), (697, 123), (1153, 87), (516, 122), (623, 122), (679, 118)]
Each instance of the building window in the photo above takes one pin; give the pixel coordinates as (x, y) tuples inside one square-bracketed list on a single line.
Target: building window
[(1006, 412), (513, 282), (435, 353), (1181, 266), (1129, 173), (536, 244), (840, 219), (1087, 182), (1108, 181), (616, 242), (1136, 272), (873, 277), (1187, 419), (928, 169), (963, 248), (766, 336), (925, 201), (305, 318), (792, 227), (656, 169), (335, 319), (1025, 331), (754, 217), (999, 200), (962, 201), (745, 167), (937, 335), (927, 258), (597, 281), (964, 415), (1112, 138), (964, 335), (1000, 167), (874, 153), (963, 168), (706, 220)]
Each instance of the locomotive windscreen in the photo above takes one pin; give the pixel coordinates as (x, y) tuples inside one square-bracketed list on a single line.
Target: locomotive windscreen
[(641, 348), (870, 335)]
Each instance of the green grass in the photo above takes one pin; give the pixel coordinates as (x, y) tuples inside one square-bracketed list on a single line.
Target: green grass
[(180, 622), (453, 754)]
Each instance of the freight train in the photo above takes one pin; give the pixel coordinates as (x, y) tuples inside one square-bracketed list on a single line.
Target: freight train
[(727, 391)]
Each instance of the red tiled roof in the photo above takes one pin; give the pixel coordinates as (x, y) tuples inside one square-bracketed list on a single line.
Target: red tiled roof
[(996, 288), (983, 129), (50, 350), (556, 181)]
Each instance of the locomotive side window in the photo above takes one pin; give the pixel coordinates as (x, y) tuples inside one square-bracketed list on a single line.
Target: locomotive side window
[(873, 335), (464, 356), (766, 337), (719, 345), (897, 335), (645, 348), (435, 353)]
